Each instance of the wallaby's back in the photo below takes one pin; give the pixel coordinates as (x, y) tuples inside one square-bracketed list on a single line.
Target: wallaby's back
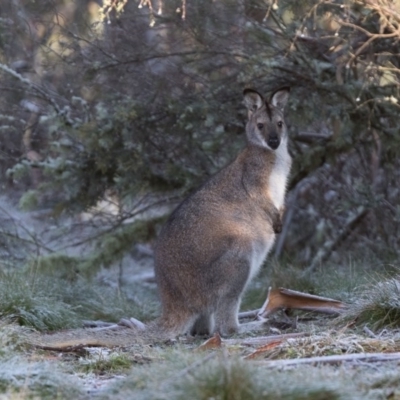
[(217, 239)]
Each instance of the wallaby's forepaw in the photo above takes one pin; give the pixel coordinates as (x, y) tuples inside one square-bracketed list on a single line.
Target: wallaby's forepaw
[(277, 225)]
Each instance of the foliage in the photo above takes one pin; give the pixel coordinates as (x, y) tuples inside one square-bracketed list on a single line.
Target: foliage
[(110, 246), (124, 101), (113, 246)]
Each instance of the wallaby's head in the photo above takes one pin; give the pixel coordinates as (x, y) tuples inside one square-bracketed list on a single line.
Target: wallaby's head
[(266, 127)]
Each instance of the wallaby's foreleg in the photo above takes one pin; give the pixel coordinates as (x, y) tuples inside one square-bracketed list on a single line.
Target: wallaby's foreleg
[(278, 220), (276, 217)]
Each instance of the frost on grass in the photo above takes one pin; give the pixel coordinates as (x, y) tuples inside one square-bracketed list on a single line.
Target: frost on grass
[(36, 380), (33, 304), (378, 306), (180, 375), (12, 338), (103, 361), (50, 303)]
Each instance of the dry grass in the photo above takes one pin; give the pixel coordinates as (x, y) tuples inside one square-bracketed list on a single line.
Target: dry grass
[(330, 343)]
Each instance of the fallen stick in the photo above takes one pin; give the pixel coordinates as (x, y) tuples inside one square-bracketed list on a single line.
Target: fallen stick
[(263, 340), (248, 314), (79, 348), (369, 357), (96, 324)]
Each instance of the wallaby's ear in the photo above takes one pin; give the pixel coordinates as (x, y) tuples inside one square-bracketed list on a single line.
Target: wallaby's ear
[(280, 97), (252, 99)]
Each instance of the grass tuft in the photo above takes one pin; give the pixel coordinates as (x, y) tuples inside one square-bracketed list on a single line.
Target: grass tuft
[(50, 303), (103, 363), (222, 380), (33, 305), (22, 380), (377, 306), (235, 379), (181, 375)]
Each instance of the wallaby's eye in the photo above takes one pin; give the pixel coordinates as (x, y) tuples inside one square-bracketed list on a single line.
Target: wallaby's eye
[(280, 124), (260, 126)]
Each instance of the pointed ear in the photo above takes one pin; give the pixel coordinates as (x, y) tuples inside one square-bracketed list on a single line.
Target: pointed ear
[(280, 97), (252, 99)]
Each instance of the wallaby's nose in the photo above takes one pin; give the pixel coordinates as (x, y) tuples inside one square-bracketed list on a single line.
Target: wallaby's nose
[(273, 141)]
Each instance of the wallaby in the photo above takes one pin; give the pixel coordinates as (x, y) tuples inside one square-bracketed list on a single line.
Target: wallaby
[(216, 240)]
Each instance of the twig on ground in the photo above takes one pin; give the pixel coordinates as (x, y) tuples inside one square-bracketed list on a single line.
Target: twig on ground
[(112, 327), (96, 324), (248, 314), (263, 340), (336, 359), (132, 323), (80, 348), (369, 332)]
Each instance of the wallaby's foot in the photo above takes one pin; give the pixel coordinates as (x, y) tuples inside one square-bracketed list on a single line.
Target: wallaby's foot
[(227, 322), (254, 326)]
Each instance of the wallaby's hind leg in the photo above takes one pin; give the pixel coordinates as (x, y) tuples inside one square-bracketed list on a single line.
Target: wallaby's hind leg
[(226, 316), (176, 321)]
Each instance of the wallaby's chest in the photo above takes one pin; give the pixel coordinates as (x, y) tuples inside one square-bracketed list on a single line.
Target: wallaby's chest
[(278, 176)]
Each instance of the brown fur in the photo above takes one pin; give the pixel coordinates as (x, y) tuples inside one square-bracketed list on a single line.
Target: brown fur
[(217, 239)]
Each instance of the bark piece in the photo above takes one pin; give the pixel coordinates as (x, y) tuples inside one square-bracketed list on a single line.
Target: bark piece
[(282, 298), (214, 342), (263, 349)]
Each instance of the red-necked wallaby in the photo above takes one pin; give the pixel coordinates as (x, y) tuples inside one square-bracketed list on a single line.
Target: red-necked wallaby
[(216, 240)]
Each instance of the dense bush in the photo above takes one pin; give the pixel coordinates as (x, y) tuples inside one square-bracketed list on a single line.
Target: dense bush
[(141, 102)]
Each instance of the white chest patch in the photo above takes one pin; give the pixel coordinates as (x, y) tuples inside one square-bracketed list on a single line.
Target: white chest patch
[(279, 175)]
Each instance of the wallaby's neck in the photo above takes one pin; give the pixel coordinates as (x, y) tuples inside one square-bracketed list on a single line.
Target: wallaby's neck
[(265, 171), (263, 159)]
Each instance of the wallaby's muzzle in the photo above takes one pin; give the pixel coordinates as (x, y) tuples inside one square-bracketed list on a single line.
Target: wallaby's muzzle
[(273, 142)]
